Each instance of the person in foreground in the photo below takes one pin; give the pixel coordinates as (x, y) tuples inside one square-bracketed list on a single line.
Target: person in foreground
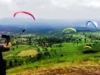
[(4, 46)]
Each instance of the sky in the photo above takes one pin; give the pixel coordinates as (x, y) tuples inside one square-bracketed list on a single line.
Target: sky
[(52, 9)]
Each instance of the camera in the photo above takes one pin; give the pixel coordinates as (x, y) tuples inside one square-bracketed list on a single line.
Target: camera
[(7, 37)]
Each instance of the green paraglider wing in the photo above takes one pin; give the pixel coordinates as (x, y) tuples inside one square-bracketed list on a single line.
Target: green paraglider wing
[(88, 47), (65, 30)]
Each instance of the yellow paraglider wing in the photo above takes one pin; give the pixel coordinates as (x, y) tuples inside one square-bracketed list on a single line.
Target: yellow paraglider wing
[(68, 30), (89, 47)]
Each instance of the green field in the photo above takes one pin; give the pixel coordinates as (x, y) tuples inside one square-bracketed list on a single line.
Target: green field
[(59, 53)]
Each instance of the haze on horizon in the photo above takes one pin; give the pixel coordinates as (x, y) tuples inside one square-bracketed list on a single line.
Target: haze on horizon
[(52, 9)]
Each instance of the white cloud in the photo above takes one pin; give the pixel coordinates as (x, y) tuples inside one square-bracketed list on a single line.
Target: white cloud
[(53, 9), (6, 1), (95, 4)]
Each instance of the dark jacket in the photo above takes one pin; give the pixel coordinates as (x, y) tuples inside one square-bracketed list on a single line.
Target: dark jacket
[(2, 62), (3, 49)]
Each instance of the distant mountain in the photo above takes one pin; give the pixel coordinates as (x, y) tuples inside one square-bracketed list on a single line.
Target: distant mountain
[(40, 25), (85, 29)]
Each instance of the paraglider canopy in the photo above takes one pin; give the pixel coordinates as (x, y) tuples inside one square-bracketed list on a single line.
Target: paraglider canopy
[(24, 12), (89, 47), (69, 30), (88, 23)]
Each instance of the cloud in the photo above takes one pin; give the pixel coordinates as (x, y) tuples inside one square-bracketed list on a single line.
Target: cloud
[(95, 4), (63, 3), (53, 9)]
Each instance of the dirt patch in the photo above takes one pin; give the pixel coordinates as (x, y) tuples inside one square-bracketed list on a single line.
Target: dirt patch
[(31, 52), (74, 70)]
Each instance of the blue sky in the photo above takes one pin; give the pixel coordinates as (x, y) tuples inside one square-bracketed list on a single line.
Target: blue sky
[(52, 9)]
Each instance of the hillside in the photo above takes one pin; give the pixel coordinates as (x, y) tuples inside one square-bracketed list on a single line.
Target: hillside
[(53, 55)]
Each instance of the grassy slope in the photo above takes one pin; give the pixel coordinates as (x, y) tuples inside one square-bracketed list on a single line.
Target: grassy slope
[(17, 50), (71, 55)]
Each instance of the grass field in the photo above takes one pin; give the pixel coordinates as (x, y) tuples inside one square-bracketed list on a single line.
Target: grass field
[(66, 55)]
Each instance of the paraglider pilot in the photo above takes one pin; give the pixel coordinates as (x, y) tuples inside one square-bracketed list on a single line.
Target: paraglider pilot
[(4, 46)]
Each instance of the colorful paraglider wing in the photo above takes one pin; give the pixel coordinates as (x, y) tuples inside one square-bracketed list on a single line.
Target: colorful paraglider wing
[(87, 47), (68, 30), (92, 23), (24, 13), (95, 23)]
